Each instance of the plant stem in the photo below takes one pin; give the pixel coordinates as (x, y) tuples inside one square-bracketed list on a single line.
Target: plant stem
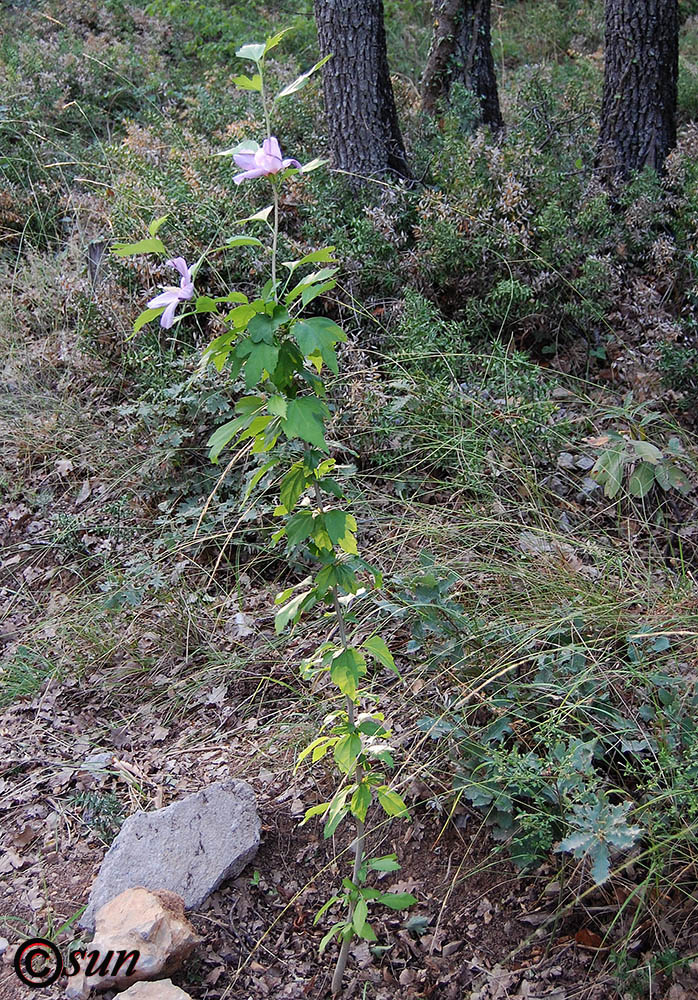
[(360, 838), (275, 238), (275, 192)]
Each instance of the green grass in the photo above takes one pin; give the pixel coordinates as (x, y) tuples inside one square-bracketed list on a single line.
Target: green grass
[(24, 674)]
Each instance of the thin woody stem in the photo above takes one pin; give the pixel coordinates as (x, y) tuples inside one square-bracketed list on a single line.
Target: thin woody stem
[(360, 839), (275, 237), (275, 193)]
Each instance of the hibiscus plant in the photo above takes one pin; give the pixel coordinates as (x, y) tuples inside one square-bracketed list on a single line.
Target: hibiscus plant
[(279, 346)]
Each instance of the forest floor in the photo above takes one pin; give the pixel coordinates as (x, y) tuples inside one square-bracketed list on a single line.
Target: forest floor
[(117, 709)]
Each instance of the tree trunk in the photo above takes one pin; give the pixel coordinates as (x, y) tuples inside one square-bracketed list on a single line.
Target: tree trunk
[(638, 111), (365, 137), (461, 50)]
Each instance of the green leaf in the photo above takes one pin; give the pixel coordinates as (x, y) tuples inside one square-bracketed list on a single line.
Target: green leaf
[(312, 291), (345, 670), (346, 579), (145, 317), (397, 900), (337, 811), (368, 933), (391, 802), (280, 316), (152, 245), (310, 279), (322, 743), (332, 932), (314, 164), (370, 727), (360, 915), (243, 241), (318, 810), (338, 525), (642, 480), (252, 51), (661, 475), (248, 82), (277, 405), (301, 81), (360, 801), (292, 611), (601, 868), (678, 480), (262, 357), (389, 863), (263, 214), (274, 40), (293, 486), (305, 419), (379, 651), (320, 751), (259, 474), (319, 334), (156, 224), (261, 329), (316, 256), (346, 751), (331, 486), (247, 146), (648, 452), (608, 470), (299, 527), (325, 907), (290, 361), (205, 304), (241, 315), (223, 436)]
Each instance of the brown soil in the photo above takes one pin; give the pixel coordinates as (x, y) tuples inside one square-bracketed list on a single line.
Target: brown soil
[(480, 928)]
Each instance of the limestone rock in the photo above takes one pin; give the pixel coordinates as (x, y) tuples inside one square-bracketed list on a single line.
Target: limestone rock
[(163, 989), (189, 847), (150, 922)]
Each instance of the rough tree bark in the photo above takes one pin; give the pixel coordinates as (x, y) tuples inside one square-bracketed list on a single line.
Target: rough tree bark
[(638, 111), (365, 137), (461, 50)]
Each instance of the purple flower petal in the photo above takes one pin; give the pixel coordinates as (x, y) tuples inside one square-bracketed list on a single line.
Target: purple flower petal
[(245, 160), (167, 318), (266, 161), (272, 148), (169, 295), (180, 264), (249, 175)]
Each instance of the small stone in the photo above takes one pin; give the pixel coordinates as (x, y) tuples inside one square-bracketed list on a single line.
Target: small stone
[(4, 945), (189, 847), (138, 920), (163, 989)]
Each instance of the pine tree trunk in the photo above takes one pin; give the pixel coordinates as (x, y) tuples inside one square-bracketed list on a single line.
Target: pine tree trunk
[(365, 136), (461, 50), (638, 112)]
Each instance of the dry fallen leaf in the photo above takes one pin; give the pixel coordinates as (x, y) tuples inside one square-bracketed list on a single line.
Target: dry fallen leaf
[(588, 939), (84, 494), (64, 466)]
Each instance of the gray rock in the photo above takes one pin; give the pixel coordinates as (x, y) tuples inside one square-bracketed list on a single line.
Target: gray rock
[(189, 847)]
